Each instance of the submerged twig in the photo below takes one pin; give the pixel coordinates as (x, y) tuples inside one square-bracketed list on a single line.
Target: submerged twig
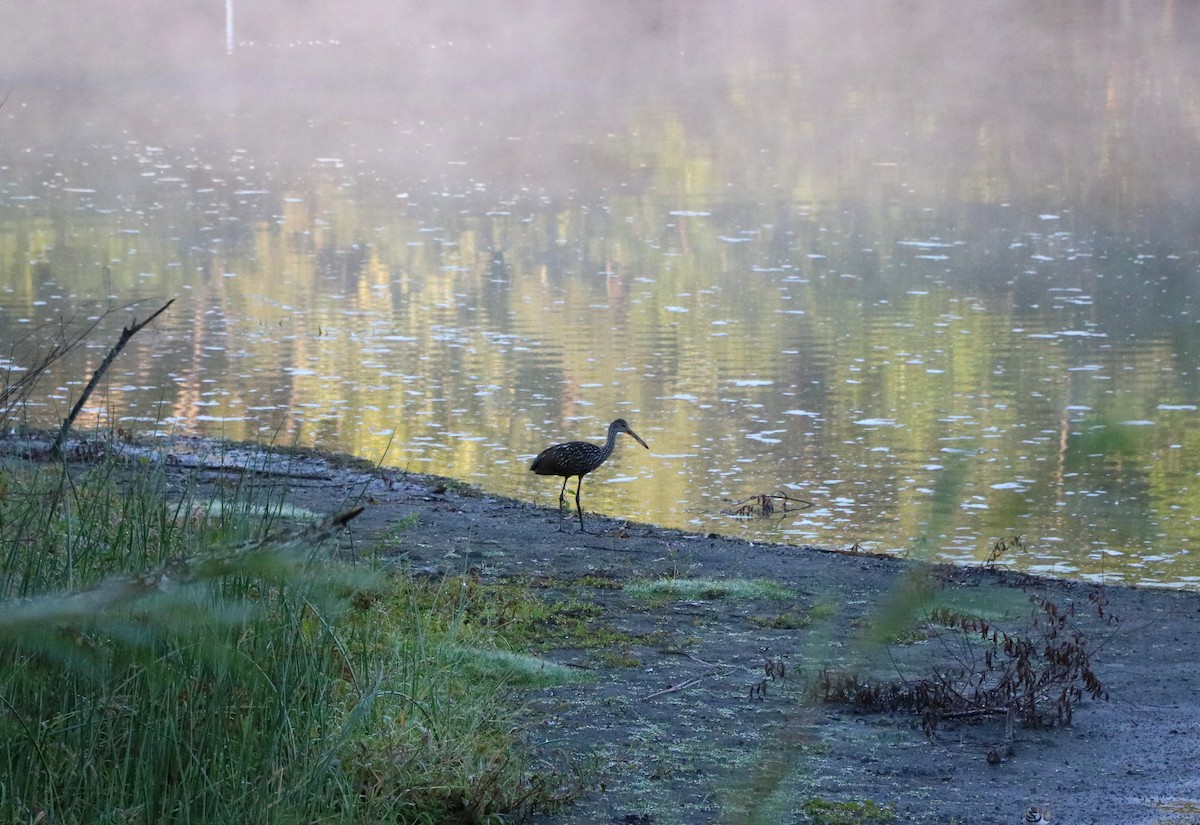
[(765, 505)]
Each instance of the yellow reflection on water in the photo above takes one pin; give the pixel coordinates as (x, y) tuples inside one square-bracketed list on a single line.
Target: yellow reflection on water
[(949, 307)]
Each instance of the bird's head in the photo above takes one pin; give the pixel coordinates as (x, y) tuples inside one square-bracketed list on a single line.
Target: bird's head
[(622, 426)]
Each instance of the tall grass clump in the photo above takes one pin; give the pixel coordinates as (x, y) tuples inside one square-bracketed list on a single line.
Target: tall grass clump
[(163, 661)]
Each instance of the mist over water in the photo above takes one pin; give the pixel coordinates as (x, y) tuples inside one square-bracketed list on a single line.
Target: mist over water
[(929, 267)]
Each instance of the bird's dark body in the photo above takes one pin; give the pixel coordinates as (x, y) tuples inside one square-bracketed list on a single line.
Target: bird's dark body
[(578, 458)]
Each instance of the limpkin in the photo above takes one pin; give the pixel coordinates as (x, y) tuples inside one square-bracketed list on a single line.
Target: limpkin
[(578, 458)]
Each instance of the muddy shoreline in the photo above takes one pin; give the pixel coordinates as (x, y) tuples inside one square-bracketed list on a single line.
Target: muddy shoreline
[(679, 722), (676, 731)]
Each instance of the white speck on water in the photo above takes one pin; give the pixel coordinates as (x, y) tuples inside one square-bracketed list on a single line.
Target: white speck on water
[(925, 244)]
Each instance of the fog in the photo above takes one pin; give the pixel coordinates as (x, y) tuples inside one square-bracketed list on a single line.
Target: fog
[(554, 96), (449, 232)]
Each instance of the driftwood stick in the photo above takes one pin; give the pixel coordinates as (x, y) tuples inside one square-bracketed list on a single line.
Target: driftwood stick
[(683, 685), (674, 688), (126, 334)]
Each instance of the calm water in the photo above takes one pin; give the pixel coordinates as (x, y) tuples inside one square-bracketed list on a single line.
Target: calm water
[(936, 275)]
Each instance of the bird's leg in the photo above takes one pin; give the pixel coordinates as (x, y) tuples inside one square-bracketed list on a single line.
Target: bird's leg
[(562, 494), (578, 506)]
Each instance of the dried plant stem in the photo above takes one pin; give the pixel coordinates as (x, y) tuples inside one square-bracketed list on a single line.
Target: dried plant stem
[(126, 335)]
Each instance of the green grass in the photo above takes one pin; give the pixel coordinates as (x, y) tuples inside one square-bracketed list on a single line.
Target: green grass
[(520, 613), (696, 589), (158, 664), (854, 812), (512, 668)]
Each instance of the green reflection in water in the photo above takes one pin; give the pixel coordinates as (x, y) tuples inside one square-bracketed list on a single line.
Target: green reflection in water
[(859, 378), (840, 266)]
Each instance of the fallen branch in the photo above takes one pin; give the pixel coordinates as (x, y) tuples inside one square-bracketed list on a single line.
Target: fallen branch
[(126, 334), (683, 685)]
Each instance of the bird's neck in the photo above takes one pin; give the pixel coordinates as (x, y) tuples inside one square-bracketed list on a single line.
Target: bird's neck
[(611, 443)]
